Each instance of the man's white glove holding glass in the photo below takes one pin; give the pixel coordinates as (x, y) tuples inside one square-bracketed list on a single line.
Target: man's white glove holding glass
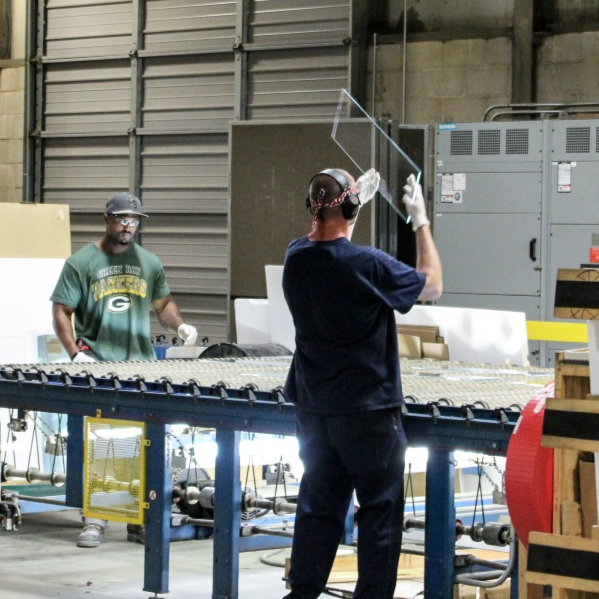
[(368, 185), (188, 333), (415, 205)]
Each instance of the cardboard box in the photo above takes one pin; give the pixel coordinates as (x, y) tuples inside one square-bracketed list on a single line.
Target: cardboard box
[(427, 334), (409, 347), (588, 496), (437, 351), (35, 230), (431, 343)]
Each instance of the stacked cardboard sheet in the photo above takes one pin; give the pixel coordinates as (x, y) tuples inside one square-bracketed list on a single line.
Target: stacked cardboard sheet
[(421, 341)]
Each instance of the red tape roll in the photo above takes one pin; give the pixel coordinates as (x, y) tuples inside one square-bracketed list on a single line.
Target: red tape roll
[(529, 471)]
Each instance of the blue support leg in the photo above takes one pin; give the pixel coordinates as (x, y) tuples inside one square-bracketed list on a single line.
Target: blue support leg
[(74, 482), (159, 492), (439, 528), (227, 516)]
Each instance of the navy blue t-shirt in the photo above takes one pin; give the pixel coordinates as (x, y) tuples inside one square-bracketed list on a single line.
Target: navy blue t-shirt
[(342, 297)]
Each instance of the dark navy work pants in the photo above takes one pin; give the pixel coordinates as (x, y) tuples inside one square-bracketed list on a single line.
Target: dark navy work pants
[(340, 453)]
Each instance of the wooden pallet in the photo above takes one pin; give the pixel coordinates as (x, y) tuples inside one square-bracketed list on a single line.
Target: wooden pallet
[(566, 544)]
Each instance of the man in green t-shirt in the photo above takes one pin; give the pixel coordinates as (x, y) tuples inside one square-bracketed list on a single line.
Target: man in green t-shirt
[(101, 307)]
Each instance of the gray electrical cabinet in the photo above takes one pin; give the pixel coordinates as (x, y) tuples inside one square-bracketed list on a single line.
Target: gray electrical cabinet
[(573, 201), (513, 202)]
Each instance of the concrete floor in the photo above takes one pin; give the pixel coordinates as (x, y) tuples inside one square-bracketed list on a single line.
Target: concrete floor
[(41, 560)]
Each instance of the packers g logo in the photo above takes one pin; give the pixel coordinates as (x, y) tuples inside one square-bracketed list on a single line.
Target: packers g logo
[(119, 303)]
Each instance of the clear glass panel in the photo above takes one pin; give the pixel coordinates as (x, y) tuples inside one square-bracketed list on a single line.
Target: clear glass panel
[(357, 138)]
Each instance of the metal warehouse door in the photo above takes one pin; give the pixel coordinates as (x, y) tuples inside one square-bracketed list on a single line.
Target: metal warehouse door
[(138, 95)]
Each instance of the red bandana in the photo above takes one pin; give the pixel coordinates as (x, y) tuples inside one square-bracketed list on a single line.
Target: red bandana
[(317, 205)]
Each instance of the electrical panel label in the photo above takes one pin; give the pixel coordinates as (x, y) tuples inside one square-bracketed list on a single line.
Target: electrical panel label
[(453, 186), (564, 177)]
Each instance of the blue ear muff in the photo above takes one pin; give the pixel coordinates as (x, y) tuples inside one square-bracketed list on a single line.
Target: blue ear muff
[(351, 203)]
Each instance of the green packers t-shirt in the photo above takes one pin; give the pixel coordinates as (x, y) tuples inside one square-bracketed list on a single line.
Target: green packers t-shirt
[(112, 295)]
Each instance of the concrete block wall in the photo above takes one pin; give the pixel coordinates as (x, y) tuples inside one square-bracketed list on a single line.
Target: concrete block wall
[(12, 102), (576, 11), (458, 80), (445, 80), (568, 69)]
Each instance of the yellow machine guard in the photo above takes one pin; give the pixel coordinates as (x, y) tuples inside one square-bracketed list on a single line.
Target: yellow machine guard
[(114, 472)]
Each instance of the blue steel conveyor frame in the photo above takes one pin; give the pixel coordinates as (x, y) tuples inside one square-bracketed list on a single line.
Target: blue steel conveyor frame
[(441, 428)]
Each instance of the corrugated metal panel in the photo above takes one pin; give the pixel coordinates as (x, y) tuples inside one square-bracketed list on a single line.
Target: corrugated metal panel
[(189, 92), (194, 249), (184, 186), (296, 83), (76, 29), (183, 278), (206, 312), (86, 228), (174, 26), (85, 172), (285, 22), (87, 97), (190, 243), (185, 174)]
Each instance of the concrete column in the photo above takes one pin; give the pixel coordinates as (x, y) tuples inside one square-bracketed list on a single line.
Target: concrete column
[(4, 29), (522, 52)]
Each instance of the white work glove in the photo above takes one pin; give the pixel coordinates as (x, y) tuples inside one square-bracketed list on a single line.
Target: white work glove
[(414, 201), (81, 358), (188, 333), (367, 185)]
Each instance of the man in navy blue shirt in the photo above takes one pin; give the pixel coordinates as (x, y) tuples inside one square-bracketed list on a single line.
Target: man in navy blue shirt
[(345, 382)]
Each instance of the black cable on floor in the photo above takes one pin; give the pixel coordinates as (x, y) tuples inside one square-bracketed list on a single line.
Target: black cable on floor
[(265, 559)]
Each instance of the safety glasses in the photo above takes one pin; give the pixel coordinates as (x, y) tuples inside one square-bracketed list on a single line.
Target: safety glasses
[(132, 222)]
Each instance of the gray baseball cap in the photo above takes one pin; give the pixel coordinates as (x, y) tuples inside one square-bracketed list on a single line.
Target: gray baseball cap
[(124, 203)]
